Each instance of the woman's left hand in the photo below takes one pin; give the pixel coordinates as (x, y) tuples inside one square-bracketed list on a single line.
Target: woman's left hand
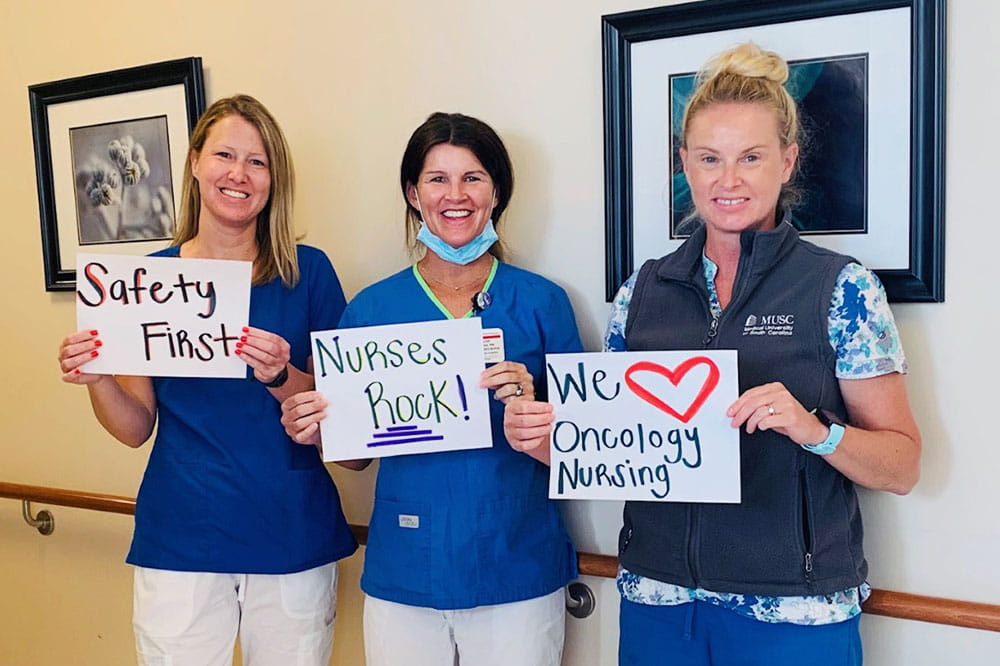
[(268, 354), (772, 407), (527, 424), (509, 380)]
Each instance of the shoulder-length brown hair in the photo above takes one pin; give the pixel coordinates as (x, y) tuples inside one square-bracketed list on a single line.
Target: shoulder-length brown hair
[(457, 129)]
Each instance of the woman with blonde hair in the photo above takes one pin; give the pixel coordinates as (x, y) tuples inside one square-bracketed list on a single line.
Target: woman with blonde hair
[(779, 578), (237, 529)]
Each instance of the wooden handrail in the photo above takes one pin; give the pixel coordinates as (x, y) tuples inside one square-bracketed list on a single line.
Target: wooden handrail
[(74, 498), (901, 605)]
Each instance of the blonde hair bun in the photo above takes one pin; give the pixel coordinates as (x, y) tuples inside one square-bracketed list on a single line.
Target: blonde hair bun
[(746, 74), (747, 60)]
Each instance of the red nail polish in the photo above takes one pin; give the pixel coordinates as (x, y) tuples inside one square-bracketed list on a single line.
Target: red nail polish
[(98, 343), (93, 353), (243, 338), (246, 330), (77, 371), (238, 352), (239, 345), (93, 332)]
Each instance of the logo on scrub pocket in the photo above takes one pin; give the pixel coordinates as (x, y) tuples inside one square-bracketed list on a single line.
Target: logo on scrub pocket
[(406, 520)]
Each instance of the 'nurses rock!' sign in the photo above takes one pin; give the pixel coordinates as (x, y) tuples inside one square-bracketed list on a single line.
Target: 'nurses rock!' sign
[(402, 389), (164, 316)]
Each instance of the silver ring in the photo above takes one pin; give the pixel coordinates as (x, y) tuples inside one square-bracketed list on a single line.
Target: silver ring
[(519, 391), (770, 410)]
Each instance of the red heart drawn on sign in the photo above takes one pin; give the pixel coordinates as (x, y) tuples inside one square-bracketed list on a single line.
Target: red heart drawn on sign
[(675, 376)]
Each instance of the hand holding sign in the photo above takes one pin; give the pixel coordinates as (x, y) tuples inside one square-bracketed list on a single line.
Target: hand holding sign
[(527, 424), (301, 415), (268, 354), (75, 352), (508, 380), (772, 407)]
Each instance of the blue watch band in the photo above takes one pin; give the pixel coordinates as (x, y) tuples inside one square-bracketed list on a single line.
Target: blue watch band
[(828, 445)]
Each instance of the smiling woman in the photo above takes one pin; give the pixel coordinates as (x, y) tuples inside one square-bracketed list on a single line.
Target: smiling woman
[(811, 409), (736, 166), (457, 193), (265, 570), (822, 406), (232, 173), (466, 530)]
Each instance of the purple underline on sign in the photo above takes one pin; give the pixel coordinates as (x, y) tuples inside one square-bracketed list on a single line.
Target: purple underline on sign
[(397, 434), (399, 428), (407, 440)]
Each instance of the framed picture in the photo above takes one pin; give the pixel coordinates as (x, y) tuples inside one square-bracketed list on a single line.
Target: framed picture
[(109, 160), (868, 76)]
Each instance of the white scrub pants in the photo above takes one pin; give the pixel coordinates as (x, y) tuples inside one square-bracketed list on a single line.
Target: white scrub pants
[(184, 618), (522, 633)]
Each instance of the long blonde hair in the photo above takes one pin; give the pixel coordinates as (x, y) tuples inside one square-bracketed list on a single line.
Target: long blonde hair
[(275, 236)]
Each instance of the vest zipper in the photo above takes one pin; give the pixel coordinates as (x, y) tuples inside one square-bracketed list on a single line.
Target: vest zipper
[(806, 527), (693, 535), (713, 330)]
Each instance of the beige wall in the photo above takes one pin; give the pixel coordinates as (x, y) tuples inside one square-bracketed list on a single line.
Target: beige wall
[(349, 81)]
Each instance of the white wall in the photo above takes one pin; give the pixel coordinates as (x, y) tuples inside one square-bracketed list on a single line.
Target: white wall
[(348, 82)]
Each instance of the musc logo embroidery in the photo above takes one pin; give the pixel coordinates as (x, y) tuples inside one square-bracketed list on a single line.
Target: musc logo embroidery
[(770, 324)]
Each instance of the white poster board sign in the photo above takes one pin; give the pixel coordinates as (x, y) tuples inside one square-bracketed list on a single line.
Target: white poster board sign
[(164, 316), (648, 426), (402, 389)]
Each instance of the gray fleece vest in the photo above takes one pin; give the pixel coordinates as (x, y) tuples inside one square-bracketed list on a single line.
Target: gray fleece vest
[(798, 529)]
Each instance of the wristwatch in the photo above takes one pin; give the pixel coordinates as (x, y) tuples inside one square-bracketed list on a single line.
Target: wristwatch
[(279, 379), (832, 441)]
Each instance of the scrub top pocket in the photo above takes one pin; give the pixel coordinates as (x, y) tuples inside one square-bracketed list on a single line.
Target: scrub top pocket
[(398, 556)]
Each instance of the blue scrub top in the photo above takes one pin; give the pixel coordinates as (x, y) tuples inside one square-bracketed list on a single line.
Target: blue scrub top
[(486, 531), (225, 489)]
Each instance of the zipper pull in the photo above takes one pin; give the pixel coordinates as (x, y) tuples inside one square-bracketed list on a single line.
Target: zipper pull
[(713, 329), (809, 563)]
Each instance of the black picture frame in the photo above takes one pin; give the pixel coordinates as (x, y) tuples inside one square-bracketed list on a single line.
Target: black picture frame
[(174, 89), (922, 280)]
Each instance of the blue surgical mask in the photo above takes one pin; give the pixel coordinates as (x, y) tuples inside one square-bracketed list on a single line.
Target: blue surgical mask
[(464, 255)]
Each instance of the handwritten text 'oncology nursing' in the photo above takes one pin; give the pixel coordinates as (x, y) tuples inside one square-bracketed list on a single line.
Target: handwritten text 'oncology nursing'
[(402, 389), (647, 426), (164, 316)]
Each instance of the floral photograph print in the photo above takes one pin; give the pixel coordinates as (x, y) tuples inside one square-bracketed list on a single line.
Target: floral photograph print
[(110, 150), (121, 174)]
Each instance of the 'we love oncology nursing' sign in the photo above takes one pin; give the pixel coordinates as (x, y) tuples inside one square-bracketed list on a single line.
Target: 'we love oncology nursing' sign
[(644, 426), (164, 316), (402, 389)]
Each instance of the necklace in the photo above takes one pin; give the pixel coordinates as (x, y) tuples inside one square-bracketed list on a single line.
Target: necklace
[(466, 285)]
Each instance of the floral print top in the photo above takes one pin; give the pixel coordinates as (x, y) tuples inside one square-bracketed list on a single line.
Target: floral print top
[(863, 333)]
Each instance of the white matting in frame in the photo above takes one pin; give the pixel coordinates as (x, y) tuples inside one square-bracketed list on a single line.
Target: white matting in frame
[(168, 100), (884, 35)]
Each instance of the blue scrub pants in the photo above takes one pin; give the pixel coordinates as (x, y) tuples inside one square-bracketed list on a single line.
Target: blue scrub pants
[(702, 634)]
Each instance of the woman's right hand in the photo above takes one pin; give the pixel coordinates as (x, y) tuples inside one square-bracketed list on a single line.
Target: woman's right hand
[(301, 414), (75, 351)]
